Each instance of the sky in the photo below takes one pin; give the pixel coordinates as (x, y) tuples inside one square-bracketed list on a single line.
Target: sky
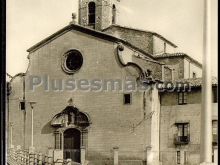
[(180, 21)]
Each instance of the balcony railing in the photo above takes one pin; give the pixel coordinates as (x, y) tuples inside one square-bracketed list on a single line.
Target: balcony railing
[(181, 140)]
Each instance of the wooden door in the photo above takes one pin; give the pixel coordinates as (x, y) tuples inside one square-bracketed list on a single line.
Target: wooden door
[(72, 145)]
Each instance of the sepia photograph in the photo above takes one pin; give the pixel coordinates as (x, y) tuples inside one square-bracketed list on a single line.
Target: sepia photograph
[(111, 82)]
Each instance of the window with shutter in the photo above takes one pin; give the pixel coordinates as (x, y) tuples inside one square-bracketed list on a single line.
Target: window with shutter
[(178, 157), (185, 156), (183, 133), (182, 98)]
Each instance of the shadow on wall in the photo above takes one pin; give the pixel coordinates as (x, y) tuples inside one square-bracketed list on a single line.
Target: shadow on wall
[(47, 129)]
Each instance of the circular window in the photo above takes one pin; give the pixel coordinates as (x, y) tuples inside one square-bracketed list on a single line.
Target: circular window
[(72, 61)]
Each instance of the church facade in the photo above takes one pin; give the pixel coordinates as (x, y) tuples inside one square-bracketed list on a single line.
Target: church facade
[(93, 88)]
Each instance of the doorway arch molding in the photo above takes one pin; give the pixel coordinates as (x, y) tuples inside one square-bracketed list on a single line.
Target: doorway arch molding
[(71, 118)]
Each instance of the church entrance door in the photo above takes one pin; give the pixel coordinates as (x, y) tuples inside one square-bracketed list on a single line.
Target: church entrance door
[(72, 145)]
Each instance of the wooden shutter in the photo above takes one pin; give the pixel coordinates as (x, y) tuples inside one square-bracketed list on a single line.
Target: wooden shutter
[(184, 97), (186, 129)]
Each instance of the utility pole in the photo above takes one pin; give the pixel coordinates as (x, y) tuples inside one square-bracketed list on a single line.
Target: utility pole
[(206, 113)]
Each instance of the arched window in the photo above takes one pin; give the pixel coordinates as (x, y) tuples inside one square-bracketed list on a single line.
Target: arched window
[(92, 10), (113, 14)]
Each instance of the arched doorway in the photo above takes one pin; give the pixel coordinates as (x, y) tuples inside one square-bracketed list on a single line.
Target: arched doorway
[(72, 144), (71, 133)]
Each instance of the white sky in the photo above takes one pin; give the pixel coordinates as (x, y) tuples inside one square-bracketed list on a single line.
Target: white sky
[(180, 21)]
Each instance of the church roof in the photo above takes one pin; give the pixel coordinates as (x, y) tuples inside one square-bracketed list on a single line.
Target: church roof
[(89, 31), (141, 30), (109, 37), (168, 55)]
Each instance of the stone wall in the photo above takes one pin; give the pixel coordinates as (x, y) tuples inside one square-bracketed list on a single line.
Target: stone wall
[(167, 74), (138, 38)]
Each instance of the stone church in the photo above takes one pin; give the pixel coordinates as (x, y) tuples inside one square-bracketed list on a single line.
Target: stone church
[(148, 126)]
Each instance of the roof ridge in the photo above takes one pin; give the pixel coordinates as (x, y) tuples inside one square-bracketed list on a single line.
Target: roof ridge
[(177, 54), (89, 31)]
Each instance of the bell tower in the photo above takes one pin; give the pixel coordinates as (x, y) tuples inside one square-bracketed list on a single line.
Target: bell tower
[(97, 14)]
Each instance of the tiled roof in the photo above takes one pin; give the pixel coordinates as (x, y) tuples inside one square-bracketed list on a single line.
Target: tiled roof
[(196, 82), (167, 55)]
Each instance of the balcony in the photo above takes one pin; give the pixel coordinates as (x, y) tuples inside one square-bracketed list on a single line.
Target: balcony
[(214, 139), (181, 140)]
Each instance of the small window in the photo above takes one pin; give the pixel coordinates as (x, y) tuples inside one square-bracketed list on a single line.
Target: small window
[(214, 132), (165, 47), (215, 127), (178, 156), (182, 98), (22, 105), (127, 98), (92, 11), (113, 14), (215, 95), (194, 75)]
